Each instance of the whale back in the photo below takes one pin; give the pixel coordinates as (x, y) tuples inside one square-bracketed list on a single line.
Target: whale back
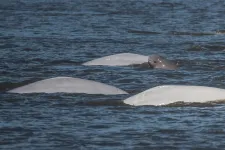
[(122, 59), (68, 85), (166, 94)]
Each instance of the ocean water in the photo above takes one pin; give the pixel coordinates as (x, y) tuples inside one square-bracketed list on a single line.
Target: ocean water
[(40, 39)]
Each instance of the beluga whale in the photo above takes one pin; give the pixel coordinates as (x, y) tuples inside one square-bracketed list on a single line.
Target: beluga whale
[(126, 59), (167, 94), (157, 61), (68, 85)]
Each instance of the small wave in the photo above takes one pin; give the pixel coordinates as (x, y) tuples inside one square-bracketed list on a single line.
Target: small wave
[(142, 32), (63, 62), (178, 33), (5, 46), (191, 33), (108, 102), (220, 32), (196, 104), (213, 47), (169, 4), (14, 135)]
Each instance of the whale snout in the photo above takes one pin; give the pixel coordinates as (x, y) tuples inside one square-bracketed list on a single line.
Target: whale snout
[(157, 61)]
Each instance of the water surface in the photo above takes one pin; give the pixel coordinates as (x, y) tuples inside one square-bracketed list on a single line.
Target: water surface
[(45, 38)]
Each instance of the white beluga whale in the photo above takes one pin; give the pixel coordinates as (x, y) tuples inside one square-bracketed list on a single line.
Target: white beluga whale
[(167, 94), (68, 85), (122, 59), (125, 59)]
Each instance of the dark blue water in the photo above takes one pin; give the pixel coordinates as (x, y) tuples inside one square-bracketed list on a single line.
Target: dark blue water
[(40, 39)]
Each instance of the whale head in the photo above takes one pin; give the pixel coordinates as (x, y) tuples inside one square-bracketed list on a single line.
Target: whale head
[(157, 61)]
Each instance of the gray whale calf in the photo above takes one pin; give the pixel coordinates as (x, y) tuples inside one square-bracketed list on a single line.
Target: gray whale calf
[(157, 61), (125, 59), (68, 85)]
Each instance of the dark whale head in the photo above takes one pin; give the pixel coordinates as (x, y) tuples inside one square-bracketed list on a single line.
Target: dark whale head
[(157, 61)]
